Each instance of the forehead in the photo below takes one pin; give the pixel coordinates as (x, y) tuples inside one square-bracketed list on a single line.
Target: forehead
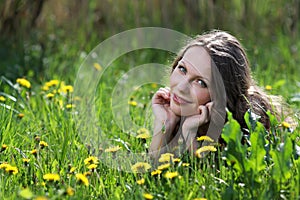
[(199, 61)]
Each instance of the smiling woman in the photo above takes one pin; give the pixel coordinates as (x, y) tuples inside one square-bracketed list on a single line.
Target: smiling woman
[(210, 74)]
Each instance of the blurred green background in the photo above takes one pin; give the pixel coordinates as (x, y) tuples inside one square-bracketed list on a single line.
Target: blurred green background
[(42, 39)]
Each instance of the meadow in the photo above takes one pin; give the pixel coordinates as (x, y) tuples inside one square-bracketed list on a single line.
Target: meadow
[(46, 153)]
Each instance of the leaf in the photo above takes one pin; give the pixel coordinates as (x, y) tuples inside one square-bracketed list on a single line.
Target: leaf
[(282, 161), (258, 152), (279, 83), (235, 151), (26, 193)]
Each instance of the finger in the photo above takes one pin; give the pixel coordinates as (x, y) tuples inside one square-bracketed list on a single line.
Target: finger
[(203, 110), (209, 107)]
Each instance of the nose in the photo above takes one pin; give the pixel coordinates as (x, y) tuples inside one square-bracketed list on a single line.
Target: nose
[(183, 86)]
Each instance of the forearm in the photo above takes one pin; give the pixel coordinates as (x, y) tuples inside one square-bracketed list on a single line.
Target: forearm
[(163, 138)]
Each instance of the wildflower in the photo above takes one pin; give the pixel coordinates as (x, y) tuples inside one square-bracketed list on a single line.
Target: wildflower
[(176, 160), (166, 157), (91, 160), (21, 115), (285, 124), (52, 83), (72, 170), (50, 95), (143, 133), (4, 165), (155, 172), (67, 89), (97, 66), (33, 152), (41, 198), (87, 173), (140, 167), (37, 138), (200, 199), (148, 196), (26, 161), (70, 191), (268, 87), (45, 88), (164, 166), (2, 98), (132, 103), (43, 144), (92, 167), (12, 170), (112, 149), (69, 106), (4, 147), (51, 177), (204, 149), (23, 82), (82, 179), (141, 181), (185, 164), (205, 138), (170, 175)]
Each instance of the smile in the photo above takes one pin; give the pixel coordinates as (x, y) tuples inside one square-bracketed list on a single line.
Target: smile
[(179, 100)]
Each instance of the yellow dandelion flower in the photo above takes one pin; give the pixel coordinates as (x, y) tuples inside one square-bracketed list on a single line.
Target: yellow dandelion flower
[(69, 106), (45, 88), (82, 179), (87, 173), (92, 166), (112, 149), (26, 160), (2, 98), (50, 95), (176, 160), (170, 175), (148, 196), (43, 144), (4, 165), (205, 138), (143, 133), (132, 103), (164, 166), (4, 147), (97, 66), (51, 177), (185, 164), (11, 170), (72, 170), (166, 157), (155, 172), (285, 124), (40, 198), (204, 149), (23, 82), (141, 181), (140, 167), (33, 152), (67, 89), (70, 191), (21, 115), (51, 83), (268, 87), (200, 198), (91, 160)]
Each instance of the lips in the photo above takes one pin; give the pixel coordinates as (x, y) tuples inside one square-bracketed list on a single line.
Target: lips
[(179, 100)]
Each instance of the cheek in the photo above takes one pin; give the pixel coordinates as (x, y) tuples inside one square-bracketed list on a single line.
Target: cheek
[(202, 96)]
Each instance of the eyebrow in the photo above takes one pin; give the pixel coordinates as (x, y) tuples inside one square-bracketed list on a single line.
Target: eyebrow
[(183, 61)]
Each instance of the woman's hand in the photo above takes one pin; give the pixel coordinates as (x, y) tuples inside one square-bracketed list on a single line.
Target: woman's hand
[(192, 123), (161, 106)]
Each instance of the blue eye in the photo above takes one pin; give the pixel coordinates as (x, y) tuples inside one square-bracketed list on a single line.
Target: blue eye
[(182, 69), (201, 83)]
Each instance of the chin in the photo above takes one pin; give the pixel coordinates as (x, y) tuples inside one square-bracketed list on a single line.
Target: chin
[(183, 111)]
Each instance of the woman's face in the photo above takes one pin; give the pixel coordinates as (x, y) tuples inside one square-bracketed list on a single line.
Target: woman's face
[(189, 82)]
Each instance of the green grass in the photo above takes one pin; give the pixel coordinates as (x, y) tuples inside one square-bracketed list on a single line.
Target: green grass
[(269, 169)]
